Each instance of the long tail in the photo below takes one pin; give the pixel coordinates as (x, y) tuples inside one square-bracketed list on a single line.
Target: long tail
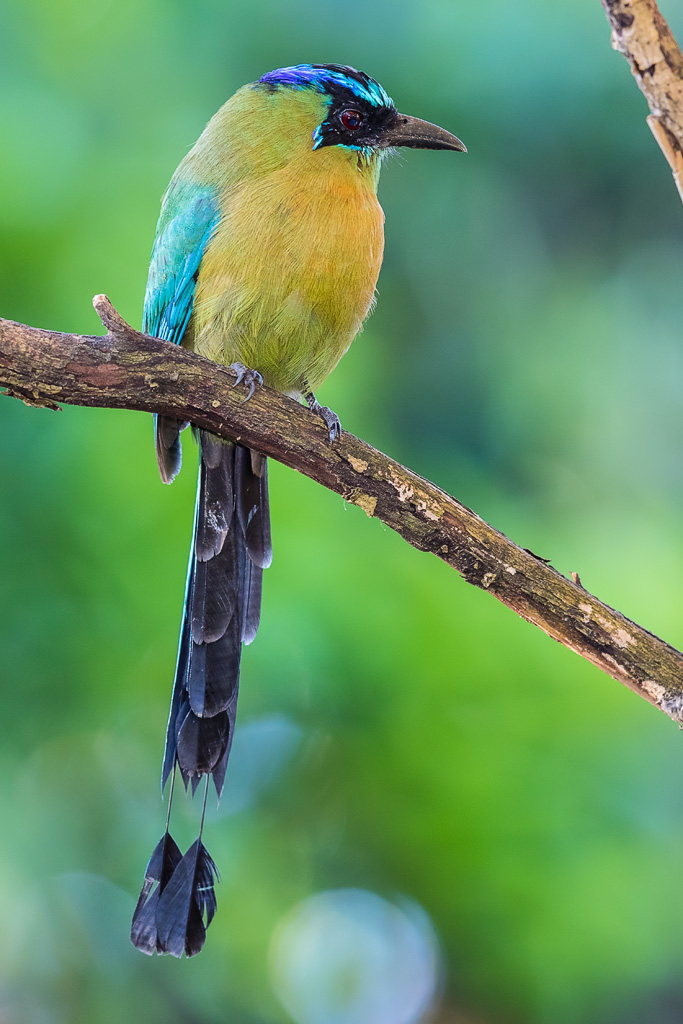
[(230, 550)]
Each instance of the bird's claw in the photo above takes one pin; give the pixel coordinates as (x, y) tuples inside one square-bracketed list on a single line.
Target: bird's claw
[(250, 377), (329, 418), (332, 422)]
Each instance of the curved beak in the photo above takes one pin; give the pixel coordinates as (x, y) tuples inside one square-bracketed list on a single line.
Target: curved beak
[(417, 134)]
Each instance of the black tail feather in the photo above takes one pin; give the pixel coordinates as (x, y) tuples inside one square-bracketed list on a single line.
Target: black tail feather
[(252, 605), (232, 540), (231, 547), (169, 451), (217, 589), (173, 916), (161, 866), (253, 509), (187, 904), (200, 742), (218, 774), (217, 501), (211, 667)]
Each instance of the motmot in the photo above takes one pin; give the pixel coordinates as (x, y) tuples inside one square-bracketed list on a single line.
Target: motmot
[(266, 258)]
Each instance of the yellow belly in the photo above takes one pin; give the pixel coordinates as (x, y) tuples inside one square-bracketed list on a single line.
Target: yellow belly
[(290, 273)]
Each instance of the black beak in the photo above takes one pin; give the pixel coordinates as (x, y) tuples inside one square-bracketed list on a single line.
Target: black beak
[(417, 134)]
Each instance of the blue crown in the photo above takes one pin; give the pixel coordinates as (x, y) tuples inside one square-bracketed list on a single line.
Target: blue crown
[(330, 78)]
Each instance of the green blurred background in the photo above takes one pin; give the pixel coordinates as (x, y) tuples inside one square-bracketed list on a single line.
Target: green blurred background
[(401, 734)]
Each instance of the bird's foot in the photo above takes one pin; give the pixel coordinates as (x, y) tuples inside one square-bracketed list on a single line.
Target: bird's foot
[(250, 377), (330, 419)]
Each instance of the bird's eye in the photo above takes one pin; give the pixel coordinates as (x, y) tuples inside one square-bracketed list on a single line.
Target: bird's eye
[(352, 119)]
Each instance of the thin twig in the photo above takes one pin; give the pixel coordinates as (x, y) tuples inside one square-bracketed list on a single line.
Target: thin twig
[(128, 370)]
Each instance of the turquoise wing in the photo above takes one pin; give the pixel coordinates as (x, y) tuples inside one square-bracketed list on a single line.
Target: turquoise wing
[(189, 215)]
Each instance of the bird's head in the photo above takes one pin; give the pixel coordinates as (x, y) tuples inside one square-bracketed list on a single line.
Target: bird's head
[(357, 114)]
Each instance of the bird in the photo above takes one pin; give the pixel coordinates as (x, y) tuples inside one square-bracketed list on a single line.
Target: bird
[(266, 257)]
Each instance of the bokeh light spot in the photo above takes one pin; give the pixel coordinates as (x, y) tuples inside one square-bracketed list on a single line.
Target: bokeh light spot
[(347, 956)]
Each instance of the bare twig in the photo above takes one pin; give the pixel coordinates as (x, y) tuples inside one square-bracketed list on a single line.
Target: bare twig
[(128, 370), (640, 32)]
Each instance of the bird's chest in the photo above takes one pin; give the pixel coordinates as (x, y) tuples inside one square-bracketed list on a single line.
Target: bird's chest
[(290, 275)]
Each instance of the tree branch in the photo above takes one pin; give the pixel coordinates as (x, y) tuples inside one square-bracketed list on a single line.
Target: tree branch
[(128, 370), (640, 32)]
